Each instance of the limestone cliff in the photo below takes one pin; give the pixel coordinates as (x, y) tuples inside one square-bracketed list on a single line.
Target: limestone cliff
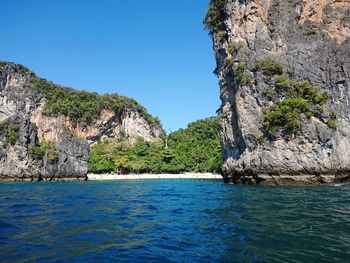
[(284, 73), (46, 130)]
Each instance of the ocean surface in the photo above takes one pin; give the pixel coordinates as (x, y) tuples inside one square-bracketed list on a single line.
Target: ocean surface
[(172, 221)]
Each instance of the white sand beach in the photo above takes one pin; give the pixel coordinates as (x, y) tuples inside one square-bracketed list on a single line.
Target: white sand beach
[(154, 176)]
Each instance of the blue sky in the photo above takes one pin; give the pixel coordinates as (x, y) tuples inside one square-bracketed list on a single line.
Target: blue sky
[(155, 51)]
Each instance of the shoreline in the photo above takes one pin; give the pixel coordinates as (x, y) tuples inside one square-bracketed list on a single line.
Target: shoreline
[(260, 180), (204, 176)]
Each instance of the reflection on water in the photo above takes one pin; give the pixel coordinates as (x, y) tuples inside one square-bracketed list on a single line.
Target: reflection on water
[(173, 221)]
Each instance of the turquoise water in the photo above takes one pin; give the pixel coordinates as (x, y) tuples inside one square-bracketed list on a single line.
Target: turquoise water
[(172, 221)]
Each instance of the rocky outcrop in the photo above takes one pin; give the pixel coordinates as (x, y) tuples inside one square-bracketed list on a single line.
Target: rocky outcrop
[(271, 54), (127, 125), (39, 145)]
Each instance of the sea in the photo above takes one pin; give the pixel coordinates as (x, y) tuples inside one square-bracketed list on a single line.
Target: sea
[(172, 221)]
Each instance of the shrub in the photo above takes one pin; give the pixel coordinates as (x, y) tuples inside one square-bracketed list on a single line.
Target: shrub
[(49, 147), (305, 89), (3, 126), (300, 97), (244, 79), (309, 114), (214, 19), (270, 67), (269, 91), (230, 61), (310, 30), (234, 47), (221, 35), (333, 123), (12, 133), (241, 67), (282, 82), (285, 115), (333, 114), (2, 64)]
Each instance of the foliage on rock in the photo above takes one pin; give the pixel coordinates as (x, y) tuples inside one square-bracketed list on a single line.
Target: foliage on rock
[(45, 147), (214, 19), (269, 66), (11, 131), (83, 105), (194, 149), (297, 99)]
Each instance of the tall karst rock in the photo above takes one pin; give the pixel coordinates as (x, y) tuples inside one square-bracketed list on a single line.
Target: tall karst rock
[(46, 130), (284, 73)]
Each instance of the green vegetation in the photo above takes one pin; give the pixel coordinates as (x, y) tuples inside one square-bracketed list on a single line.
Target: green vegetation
[(221, 35), (3, 126), (285, 115), (214, 19), (269, 67), (282, 82), (234, 47), (242, 77), (2, 64), (298, 98), (310, 30), (12, 133), (18, 67), (194, 149), (269, 91), (82, 105), (49, 147), (333, 121)]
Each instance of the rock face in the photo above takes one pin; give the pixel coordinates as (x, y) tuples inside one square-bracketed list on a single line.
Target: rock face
[(256, 42), (35, 145)]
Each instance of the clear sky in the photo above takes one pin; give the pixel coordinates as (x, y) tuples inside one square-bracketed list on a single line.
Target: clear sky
[(155, 51)]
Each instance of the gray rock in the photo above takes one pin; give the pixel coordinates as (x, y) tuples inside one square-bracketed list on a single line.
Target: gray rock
[(21, 107), (311, 39)]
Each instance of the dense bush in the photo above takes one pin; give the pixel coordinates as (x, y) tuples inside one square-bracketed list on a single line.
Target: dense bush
[(297, 98), (194, 149), (242, 77), (333, 122), (269, 66), (214, 19), (282, 82), (285, 115), (234, 47), (49, 147), (83, 105), (12, 133), (310, 30), (269, 91)]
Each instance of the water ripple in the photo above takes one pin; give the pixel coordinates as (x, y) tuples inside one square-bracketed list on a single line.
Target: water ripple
[(173, 221)]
